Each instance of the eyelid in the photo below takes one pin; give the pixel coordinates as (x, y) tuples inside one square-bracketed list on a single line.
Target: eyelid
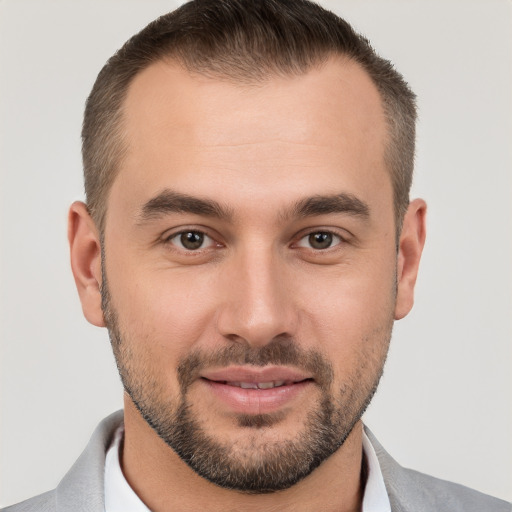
[(342, 237), (169, 235)]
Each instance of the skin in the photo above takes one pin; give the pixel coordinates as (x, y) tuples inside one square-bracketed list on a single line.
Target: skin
[(256, 150)]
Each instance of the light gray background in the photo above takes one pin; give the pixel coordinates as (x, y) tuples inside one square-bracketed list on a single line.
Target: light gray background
[(445, 404)]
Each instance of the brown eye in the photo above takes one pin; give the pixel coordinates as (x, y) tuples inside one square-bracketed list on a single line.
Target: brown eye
[(320, 240), (191, 240)]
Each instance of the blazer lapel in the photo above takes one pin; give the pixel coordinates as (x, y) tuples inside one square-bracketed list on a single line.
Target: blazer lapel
[(404, 494), (82, 488)]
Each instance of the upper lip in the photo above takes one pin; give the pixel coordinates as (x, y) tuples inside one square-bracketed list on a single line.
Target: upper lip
[(255, 374)]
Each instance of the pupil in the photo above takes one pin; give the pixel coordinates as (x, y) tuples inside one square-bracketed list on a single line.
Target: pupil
[(320, 240), (192, 240)]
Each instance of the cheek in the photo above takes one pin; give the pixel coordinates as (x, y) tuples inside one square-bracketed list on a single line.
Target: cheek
[(163, 312), (353, 297), (351, 316)]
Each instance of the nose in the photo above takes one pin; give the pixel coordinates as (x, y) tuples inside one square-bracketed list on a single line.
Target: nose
[(258, 305)]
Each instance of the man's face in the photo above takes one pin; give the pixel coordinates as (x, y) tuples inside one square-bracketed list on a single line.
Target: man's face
[(250, 257)]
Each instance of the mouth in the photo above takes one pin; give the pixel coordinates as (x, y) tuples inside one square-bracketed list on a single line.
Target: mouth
[(260, 385), (249, 390)]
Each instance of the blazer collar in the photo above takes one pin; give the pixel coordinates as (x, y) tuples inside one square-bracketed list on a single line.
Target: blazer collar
[(86, 476)]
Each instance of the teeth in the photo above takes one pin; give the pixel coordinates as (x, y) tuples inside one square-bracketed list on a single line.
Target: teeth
[(257, 385), (248, 385), (266, 385), (269, 385)]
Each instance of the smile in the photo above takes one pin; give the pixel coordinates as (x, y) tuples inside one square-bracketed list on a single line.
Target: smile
[(259, 385), (250, 390)]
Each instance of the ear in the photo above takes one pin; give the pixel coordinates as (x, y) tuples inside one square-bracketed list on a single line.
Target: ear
[(412, 240), (85, 252)]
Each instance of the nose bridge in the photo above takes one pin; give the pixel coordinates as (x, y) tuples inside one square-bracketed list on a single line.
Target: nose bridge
[(259, 305)]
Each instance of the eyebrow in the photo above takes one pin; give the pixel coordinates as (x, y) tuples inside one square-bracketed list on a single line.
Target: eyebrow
[(337, 203), (169, 201)]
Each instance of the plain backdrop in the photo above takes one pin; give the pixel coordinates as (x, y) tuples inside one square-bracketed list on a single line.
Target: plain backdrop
[(445, 404)]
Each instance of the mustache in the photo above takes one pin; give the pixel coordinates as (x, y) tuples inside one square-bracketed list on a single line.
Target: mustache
[(281, 351)]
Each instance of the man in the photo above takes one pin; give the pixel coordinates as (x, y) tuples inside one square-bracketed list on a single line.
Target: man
[(248, 241)]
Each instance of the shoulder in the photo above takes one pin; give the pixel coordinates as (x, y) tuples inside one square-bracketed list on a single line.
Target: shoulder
[(441, 495), (42, 503), (82, 488), (411, 490)]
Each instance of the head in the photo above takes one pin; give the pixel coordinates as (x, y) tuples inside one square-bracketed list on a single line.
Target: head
[(245, 199)]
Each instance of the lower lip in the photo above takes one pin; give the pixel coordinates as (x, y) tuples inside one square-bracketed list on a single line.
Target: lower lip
[(256, 401)]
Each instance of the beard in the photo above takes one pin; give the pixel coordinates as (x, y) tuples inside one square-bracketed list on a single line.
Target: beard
[(249, 465)]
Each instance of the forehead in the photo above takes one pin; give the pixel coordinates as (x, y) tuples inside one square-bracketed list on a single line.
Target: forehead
[(339, 94), (193, 131)]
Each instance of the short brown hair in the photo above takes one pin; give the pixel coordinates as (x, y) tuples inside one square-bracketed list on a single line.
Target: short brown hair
[(244, 41)]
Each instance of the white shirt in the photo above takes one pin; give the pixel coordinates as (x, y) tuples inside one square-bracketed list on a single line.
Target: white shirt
[(375, 497), (120, 497)]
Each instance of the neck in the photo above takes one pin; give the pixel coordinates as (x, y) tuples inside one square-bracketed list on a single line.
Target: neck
[(164, 482)]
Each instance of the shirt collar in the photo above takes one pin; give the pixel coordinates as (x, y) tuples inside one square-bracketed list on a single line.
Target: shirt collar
[(375, 497), (119, 496)]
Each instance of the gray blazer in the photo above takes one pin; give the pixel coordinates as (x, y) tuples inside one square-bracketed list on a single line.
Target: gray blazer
[(81, 490)]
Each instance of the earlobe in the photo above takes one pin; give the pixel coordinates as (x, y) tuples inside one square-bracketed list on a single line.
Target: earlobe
[(85, 253), (412, 240)]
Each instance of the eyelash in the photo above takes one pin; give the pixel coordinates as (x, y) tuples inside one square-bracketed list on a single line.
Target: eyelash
[(336, 240), (169, 240)]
